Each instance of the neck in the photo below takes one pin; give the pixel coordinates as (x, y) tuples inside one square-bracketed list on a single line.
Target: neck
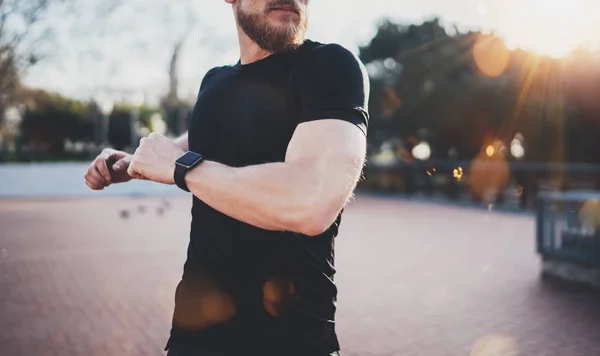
[(249, 51)]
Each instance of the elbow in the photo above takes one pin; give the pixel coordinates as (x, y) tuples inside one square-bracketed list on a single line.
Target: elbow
[(316, 220), (312, 229)]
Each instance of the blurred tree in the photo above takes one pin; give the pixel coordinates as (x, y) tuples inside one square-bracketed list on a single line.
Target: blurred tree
[(465, 90), (120, 124), (423, 81), (176, 116), (9, 78), (50, 119), (21, 28), (176, 110), (146, 113)]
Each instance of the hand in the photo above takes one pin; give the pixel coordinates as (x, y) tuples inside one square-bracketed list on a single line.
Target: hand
[(108, 168), (155, 159)]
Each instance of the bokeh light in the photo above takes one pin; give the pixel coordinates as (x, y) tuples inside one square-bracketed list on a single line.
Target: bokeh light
[(422, 151), (589, 215), (457, 173), (517, 150), (495, 345), (278, 292), (158, 124), (489, 176), (491, 55), (202, 304)]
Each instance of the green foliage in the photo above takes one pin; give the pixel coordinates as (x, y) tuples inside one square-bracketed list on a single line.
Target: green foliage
[(459, 91), (120, 125), (51, 119), (146, 113), (176, 115), (463, 91)]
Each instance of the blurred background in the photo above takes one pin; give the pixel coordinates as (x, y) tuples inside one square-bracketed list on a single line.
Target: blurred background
[(481, 190)]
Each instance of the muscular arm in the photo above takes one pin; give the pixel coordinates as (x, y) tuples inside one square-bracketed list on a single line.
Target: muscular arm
[(323, 162), (304, 194)]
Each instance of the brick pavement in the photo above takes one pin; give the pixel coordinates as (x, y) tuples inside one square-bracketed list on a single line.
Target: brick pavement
[(76, 278)]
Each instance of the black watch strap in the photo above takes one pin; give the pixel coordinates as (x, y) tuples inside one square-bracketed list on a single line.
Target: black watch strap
[(183, 165), (180, 172)]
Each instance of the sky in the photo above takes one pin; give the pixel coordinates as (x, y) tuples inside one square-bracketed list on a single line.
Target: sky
[(125, 54)]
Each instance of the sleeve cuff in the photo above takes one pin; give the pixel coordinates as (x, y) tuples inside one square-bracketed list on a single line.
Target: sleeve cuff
[(354, 116)]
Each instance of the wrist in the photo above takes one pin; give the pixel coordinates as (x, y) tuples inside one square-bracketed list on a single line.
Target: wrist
[(183, 165)]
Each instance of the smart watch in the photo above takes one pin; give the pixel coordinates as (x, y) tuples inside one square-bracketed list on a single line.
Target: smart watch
[(183, 164)]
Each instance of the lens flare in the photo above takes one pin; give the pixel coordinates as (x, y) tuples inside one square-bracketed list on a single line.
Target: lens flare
[(202, 304), (495, 345), (277, 294), (491, 55), (589, 215), (516, 149), (488, 177), (457, 173), (422, 151)]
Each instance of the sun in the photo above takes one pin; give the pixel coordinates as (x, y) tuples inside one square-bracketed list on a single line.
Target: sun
[(553, 27)]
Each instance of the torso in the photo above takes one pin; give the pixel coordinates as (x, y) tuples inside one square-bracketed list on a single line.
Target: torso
[(246, 115)]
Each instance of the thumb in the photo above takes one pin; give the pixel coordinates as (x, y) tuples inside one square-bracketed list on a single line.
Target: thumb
[(122, 164)]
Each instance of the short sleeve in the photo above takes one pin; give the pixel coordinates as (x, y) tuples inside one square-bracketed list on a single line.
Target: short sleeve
[(209, 74), (333, 84), (203, 83)]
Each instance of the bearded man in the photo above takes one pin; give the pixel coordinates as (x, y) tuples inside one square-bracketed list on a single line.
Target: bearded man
[(275, 148)]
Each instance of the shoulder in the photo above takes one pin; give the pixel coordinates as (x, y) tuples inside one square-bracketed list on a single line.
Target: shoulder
[(327, 57), (212, 76), (213, 72), (328, 52), (317, 50)]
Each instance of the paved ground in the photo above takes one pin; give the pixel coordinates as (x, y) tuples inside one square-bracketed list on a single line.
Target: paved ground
[(76, 278)]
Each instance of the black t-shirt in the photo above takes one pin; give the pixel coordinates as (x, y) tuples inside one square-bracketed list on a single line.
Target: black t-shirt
[(246, 289)]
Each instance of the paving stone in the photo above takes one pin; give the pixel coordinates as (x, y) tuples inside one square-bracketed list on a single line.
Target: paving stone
[(414, 279)]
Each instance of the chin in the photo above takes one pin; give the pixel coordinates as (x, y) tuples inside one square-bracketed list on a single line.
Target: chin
[(281, 23)]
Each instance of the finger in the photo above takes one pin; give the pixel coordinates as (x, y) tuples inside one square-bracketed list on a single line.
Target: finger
[(101, 176), (97, 178), (122, 163), (89, 184), (132, 173), (95, 185), (130, 170), (103, 170), (93, 174), (106, 153)]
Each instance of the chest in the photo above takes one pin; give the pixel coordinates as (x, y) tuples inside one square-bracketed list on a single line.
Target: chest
[(245, 118)]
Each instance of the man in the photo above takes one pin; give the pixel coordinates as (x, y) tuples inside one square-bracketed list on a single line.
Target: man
[(276, 146)]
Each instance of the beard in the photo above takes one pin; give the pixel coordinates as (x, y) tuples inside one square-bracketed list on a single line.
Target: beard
[(273, 38)]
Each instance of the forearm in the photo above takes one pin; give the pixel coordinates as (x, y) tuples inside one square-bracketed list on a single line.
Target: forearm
[(273, 196), (182, 141)]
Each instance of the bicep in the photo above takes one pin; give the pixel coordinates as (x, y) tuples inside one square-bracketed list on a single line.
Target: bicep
[(332, 151), (330, 140)]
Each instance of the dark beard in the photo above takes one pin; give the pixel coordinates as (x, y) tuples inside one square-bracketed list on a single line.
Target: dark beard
[(270, 38)]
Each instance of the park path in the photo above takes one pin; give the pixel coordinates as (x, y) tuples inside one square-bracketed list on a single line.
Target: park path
[(96, 276)]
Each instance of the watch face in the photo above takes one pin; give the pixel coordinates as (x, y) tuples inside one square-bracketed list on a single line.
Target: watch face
[(189, 158)]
